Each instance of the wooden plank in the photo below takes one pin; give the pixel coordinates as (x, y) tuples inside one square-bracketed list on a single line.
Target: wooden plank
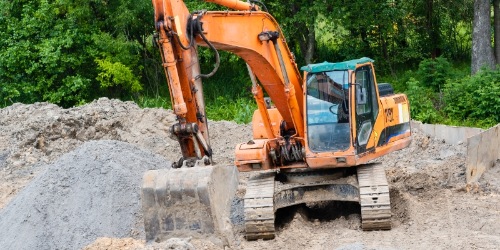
[(376, 225), (253, 227)]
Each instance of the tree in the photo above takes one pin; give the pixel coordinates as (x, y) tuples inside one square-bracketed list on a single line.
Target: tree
[(496, 28), (69, 52), (482, 52), (298, 18)]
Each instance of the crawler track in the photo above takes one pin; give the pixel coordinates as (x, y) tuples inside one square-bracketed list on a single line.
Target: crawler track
[(374, 197), (263, 198), (259, 207)]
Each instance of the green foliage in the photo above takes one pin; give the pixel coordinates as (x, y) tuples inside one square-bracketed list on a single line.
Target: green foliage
[(35, 64), (397, 34), (298, 20), (73, 90), (153, 102), (434, 73), (222, 108), (462, 100), (231, 80), (398, 81), (117, 49), (421, 106), (114, 74), (474, 99), (51, 49), (71, 52), (240, 111)]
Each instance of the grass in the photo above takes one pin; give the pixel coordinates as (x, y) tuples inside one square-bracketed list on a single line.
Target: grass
[(227, 94), (154, 102), (239, 110)]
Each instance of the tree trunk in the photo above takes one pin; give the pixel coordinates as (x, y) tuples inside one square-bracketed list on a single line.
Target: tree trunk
[(429, 15), (311, 43), (482, 52), (496, 28)]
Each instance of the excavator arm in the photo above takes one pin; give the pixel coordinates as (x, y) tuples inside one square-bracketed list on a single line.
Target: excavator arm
[(195, 198), (251, 34)]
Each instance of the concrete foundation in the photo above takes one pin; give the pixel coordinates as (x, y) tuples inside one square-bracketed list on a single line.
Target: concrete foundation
[(450, 134), (483, 150)]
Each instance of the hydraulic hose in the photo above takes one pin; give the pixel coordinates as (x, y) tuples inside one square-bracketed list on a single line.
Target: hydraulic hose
[(217, 58), (189, 31), (261, 3)]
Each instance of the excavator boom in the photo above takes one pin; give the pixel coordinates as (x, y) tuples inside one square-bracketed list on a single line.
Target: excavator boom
[(253, 35)]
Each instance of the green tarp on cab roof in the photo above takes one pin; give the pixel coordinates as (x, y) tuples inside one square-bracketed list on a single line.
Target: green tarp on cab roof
[(327, 66)]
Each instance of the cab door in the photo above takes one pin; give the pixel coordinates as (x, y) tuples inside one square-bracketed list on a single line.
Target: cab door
[(366, 106)]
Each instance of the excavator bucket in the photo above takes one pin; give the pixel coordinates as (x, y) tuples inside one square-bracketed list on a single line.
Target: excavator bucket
[(189, 202)]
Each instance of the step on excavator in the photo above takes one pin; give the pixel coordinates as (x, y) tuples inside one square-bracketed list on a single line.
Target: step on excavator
[(316, 134)]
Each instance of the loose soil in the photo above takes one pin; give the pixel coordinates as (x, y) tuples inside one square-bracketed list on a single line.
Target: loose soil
[(70, 179)]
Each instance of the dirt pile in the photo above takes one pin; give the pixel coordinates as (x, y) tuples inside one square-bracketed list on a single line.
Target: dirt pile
[(133, 244), (37, 134), (92, 192), (33, 135), (426, 164)]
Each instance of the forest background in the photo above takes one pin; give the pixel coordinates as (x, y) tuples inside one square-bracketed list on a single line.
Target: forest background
[(70, 52)]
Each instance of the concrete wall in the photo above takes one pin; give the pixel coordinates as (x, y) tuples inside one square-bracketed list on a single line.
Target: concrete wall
[(483, 150), (450, 134)]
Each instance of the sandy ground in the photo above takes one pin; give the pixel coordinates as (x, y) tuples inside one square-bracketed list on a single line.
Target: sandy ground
[(431, 207)]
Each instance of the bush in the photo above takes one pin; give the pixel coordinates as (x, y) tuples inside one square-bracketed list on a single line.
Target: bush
[(115, 74), (67, 52), (474, 100), (433, 73), (421, 105)]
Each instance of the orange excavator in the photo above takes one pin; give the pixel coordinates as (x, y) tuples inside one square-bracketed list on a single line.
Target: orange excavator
[(314, 137)]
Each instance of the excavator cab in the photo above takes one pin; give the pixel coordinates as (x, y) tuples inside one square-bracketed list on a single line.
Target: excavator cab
[(348, 122)]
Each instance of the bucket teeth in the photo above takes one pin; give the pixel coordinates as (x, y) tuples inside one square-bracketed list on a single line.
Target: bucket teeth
[(188, 201)]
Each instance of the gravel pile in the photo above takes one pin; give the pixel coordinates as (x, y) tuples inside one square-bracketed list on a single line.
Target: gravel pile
[(91, 192)]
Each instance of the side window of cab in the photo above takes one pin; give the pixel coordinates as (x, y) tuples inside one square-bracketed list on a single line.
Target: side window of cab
[(362, 92)]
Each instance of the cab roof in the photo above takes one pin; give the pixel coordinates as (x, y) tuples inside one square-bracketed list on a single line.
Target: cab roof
[(327, 66)]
